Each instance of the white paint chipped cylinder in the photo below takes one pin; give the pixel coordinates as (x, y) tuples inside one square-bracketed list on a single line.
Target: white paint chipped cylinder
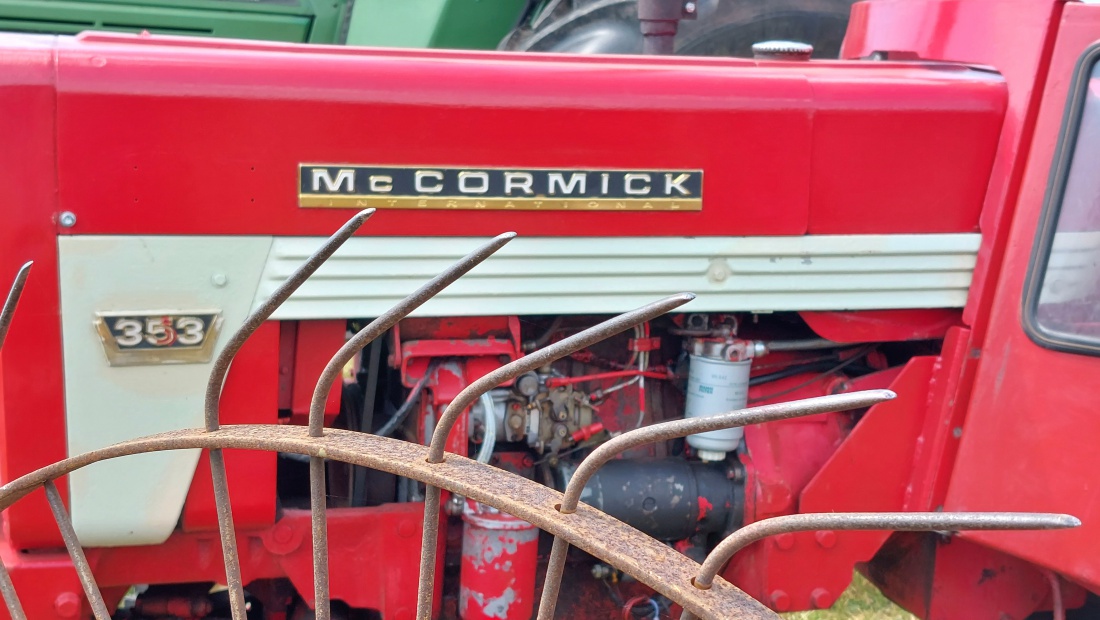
[(499, 558)]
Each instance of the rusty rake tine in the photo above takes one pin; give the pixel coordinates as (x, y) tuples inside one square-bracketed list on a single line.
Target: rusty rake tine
[(11, 599), (682, 428), (425, 590), (7, 588), (80, 561), (379, 326), (672, 430), (317, 505), (228, 535), (13, 300), (895, 521), (507, 372), (551, 585), (254, 320), (332, 370), (226, 529)]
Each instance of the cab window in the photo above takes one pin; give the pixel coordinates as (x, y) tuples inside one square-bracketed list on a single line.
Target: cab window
[(1062, 296)]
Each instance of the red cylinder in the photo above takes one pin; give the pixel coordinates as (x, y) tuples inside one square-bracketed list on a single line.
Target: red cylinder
[(499, 557)]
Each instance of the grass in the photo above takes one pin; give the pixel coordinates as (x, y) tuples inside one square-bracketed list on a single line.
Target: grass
[(861, 601)]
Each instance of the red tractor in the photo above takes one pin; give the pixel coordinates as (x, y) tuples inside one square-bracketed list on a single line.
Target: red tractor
[(918, 218)]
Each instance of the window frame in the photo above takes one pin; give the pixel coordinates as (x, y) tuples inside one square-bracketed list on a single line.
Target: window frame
[(1052, 209)]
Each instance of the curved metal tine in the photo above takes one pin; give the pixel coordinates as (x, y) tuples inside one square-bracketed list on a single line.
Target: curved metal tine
[(672, 430), (474, 391), (896, 521), (390, 318), (80, 561), (12, 300), (317, 507), (332, 370), (228, 535), (7, 588), (226, 529), (11, 598), (261, 314)]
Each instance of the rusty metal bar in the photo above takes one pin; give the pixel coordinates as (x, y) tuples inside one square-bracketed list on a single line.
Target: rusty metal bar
[(228, 534), (7, 588), (646, 559), (426, 588), (13, 299), (672, 430), (896, 521), (390, 318), (682, 428), (11, 599), (261, 314), (76, 552), (226, 529), (329, 375), (318, 505), (508, 372)]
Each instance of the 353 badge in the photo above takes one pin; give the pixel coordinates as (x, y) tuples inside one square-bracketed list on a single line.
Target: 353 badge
[(172, 337)]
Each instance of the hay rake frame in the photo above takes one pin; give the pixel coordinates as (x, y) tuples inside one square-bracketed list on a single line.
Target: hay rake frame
[(697, 588)]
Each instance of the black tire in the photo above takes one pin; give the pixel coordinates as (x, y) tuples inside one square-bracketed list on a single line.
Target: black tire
[(724, 27), (737, 24)]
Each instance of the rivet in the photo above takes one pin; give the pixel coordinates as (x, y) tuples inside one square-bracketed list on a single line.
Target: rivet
[(219, 280), (67, 219)]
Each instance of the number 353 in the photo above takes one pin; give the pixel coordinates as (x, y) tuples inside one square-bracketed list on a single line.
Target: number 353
[(160, 331), (137, 338)]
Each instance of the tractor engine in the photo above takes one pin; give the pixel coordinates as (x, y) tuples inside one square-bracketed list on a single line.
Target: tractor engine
[(689, 493)]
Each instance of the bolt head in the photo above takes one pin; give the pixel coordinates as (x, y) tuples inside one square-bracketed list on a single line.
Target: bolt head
[(784, 541), (406, 529), (67, 219), (826, 538), (689, 7), (781, 601), (282, 534), (67, 605), (821, 598), (219, 280)]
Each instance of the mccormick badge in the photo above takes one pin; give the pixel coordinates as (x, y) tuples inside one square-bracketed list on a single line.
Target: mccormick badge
[(526, 189)]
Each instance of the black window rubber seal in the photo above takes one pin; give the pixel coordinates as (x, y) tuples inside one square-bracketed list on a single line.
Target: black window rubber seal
[(1052, 208)]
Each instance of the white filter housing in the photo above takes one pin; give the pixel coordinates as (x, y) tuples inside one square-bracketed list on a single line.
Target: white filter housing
[(716, 386)]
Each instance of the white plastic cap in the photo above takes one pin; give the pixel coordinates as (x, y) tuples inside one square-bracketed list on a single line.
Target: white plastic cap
[(711, 455)]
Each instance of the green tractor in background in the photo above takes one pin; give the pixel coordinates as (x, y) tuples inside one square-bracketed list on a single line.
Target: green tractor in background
[(721, 27)]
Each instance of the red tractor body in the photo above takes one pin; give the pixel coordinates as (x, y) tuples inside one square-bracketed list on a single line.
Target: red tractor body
[(888, 202)]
